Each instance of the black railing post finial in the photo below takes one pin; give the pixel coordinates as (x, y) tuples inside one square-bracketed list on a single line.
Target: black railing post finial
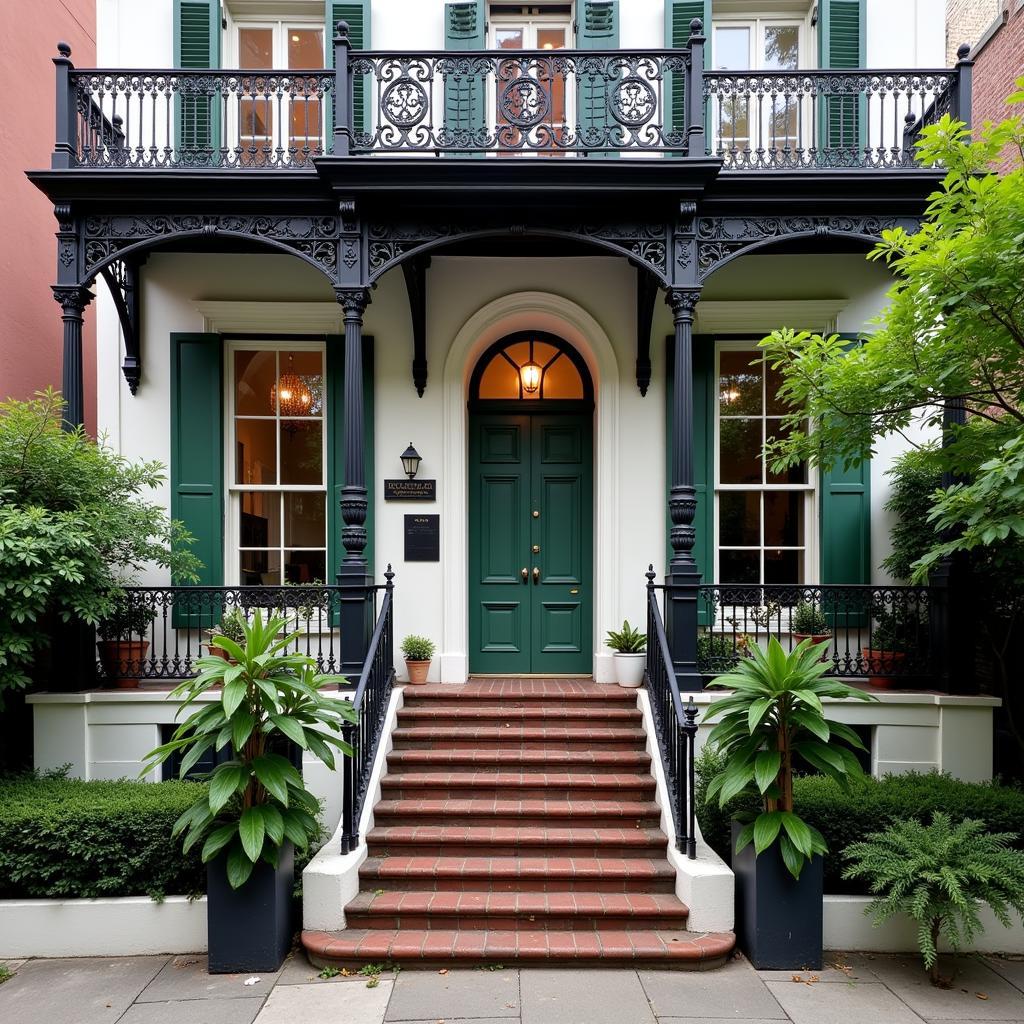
[(389, 578), (64, 150), (961, 106), (696, 143), (343, 123), (651, 576)]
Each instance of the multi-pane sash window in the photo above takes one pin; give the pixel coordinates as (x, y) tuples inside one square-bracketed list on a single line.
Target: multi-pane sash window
[(278, 485), (764, 519)]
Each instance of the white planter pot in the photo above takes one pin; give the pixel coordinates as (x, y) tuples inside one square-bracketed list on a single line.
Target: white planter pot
[(629, 669)]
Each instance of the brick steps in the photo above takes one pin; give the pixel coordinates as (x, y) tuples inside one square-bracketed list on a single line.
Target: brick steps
[(483, 841), (524, 911), (517, 824), (605, 948)]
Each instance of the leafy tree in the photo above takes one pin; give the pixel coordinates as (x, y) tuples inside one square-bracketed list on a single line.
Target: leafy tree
[(953, 332), (914, 480), (939, 874), (74, 529)]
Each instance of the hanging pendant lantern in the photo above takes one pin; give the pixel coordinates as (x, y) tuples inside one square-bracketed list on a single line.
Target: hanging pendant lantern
[(291, 394)]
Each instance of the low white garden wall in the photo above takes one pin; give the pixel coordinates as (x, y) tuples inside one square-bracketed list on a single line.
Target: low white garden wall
[(129, 926)]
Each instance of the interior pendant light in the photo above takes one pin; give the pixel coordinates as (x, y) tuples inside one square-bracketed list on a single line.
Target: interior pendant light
[(291, 394), (530, 374)]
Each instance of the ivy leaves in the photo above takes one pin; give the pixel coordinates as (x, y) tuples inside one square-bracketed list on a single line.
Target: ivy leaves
[(256, 799), (774, 713)]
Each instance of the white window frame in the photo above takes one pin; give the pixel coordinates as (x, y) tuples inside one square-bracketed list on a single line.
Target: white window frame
[(233, 490), (810, 489)]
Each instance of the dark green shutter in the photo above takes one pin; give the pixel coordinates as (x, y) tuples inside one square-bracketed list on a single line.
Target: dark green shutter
[(597, 29), (464, 94), (841, 44), (356, 14), (336, 448), (703, 453), (678, 15), (845, 540), (197, 453), (197, 31)]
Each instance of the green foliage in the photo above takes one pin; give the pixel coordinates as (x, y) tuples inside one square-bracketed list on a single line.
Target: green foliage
[(74, 529), (953, 332), (809, 620), (257, 799), (716, 652), (63, 838), (915, 479), (417, 648), (939, 874), (845, 815), (626, 640), (129, 617), (774, 714), (232, 625)]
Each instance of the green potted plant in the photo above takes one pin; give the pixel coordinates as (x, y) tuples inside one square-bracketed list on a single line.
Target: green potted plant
[(232, 625), (939, 875), (630, 646), (257, 808), (886, 649), (417, 651), (773, 717), (809, 622), (121, 640)]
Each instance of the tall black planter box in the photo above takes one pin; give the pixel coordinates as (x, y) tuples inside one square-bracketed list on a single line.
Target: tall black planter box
[(778, 918), (250, 929)]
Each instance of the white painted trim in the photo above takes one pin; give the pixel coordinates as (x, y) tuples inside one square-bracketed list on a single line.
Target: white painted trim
[(544, 311), (728, 316), (126, 926), (242, 317), (847, 928), (706, 884), (331, 879)]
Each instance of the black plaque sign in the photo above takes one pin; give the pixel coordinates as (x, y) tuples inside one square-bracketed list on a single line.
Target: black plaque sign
[(410, 490), (423, 538)]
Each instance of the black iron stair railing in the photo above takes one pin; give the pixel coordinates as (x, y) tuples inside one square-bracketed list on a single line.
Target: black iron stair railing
[(370, 700), (675, 724)]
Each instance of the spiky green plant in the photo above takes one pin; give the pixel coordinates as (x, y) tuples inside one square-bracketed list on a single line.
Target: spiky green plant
[(775, 713), (940, 874), (626, 640)]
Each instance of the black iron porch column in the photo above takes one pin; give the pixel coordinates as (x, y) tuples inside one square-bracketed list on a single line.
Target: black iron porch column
[(72, 301), (683, 579), (356, 617)]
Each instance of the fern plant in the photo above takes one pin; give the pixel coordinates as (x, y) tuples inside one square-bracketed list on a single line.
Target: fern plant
[(939, 874)]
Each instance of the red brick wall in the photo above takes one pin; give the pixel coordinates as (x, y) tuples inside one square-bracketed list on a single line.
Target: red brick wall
[(31, 335), (998, 61)]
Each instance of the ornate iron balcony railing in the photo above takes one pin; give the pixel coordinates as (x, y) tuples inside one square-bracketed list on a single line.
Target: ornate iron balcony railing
[(500, 104)]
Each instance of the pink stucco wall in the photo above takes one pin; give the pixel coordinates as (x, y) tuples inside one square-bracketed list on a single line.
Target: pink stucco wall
[(30, 325)]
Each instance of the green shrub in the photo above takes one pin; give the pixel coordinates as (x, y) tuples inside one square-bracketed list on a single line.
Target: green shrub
[(868, 806), (65, 839), (417, 648)]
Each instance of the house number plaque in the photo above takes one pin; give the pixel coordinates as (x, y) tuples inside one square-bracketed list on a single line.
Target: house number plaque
[(423, 538), (410, 490)]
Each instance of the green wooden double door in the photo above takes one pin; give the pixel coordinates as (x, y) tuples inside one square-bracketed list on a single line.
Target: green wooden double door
[(531, 544)]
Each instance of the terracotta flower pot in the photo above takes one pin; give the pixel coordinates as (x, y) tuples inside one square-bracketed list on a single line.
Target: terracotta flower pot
[(417, 671), (879, 662), (219, 652), (122, 661)]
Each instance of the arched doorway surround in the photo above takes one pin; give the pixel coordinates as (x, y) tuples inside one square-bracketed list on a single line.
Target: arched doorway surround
[(523, 311)]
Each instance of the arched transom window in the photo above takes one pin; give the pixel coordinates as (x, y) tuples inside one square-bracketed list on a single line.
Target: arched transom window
[(531, 366)]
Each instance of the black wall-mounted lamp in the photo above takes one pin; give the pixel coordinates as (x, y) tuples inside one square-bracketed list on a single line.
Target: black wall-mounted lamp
[(411, 461)]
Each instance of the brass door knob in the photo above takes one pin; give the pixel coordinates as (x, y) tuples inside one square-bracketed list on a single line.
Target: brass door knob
[(536, 575), (525, 573)]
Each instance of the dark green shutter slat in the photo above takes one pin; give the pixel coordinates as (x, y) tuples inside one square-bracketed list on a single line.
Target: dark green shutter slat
[(197, 31), (841, 45), (597, 29), (678, 16), (336, 448), (356, 14), (703, 454), (464, 95), (197, 455)]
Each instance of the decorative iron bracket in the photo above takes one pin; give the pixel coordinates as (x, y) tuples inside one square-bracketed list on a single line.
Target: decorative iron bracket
[(122, 277), (646, 293), (415, 272)]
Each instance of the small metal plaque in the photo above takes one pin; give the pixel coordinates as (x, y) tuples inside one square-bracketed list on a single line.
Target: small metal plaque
[(410, 490), (423, 538)]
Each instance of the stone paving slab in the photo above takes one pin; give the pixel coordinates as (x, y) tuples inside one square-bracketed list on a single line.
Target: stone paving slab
[(218, 1010), (326, 1004), (863, 1003), (1010, 968), (432, 996), (597, 996), (185, 977), (733, 991), (838, 968), (80, 991)]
